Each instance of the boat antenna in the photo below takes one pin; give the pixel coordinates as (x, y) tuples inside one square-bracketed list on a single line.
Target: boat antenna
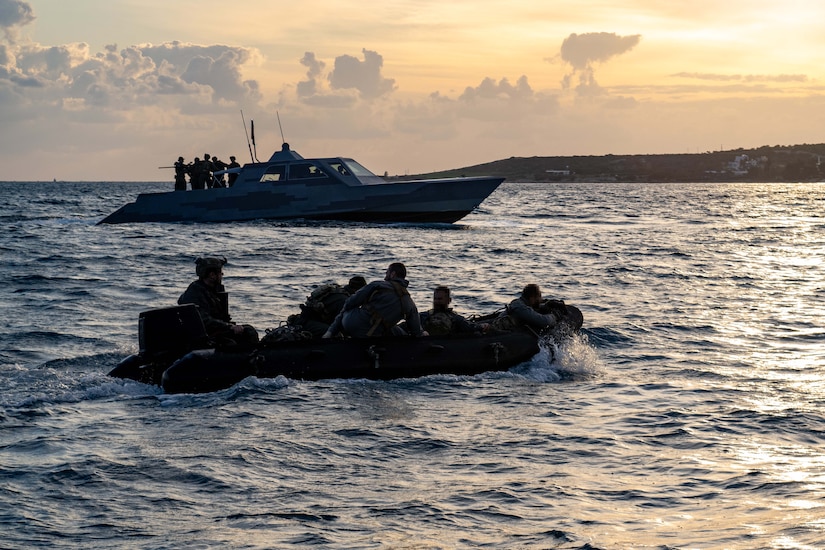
[(247, 137), (281, 128), (254, 147)]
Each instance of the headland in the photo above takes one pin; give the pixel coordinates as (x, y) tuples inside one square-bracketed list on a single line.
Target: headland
[(778, 163)]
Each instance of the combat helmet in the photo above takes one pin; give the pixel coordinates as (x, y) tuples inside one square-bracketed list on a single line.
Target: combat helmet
[(356, 283), (206, 264)]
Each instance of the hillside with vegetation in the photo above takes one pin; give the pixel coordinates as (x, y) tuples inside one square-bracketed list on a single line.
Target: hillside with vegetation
[(796, 163)]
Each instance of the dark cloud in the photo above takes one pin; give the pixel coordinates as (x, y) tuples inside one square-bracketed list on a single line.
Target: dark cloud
[(581, 51), (14, 13), (364, 76)]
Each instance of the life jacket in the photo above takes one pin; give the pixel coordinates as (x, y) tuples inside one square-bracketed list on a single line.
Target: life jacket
[(438, 323)]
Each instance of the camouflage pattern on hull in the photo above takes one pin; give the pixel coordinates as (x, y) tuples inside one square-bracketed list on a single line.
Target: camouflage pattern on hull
[(291, 187)]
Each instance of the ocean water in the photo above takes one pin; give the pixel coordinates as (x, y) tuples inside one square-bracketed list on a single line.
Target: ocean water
[(690, 413)]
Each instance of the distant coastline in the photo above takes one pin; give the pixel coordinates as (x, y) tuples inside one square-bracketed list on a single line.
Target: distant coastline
[(795, 163), (777, 163)]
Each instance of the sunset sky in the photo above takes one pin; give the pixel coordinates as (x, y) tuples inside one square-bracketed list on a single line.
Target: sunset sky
[(109, 90)]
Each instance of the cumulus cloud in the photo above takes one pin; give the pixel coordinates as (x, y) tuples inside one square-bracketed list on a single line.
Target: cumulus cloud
[(216, 66), (6, 56), (50, 63), (349, 81), (313, 91), (222, 75), (489, 89), (364, 76), (309, 87), (582, 51), (121, 78), (336, 101), (13, 14)]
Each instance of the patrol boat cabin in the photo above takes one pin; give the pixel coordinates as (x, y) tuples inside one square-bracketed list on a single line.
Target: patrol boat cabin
[(289, 186)]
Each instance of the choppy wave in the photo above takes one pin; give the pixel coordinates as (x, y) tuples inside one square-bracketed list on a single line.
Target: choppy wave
[(688, 412)]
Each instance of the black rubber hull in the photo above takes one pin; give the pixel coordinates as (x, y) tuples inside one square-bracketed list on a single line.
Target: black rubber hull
[(371, 358), (207, 370)]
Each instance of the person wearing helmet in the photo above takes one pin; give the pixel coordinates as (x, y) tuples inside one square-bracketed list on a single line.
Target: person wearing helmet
[(208, 293)]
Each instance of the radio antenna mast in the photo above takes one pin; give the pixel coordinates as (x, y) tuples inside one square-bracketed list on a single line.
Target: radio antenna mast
[(254, 146), (283, 139), (247, 137)]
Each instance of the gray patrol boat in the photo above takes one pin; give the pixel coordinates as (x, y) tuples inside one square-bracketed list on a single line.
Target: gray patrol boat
[(289, 186)]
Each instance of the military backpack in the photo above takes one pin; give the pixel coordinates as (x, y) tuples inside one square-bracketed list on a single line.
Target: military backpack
[(318, 302), (439, 323)]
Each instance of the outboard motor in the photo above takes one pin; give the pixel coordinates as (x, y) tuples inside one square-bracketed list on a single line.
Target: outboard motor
[(164, 335)]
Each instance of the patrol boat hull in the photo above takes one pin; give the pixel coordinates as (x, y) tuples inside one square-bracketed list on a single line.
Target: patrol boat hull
[(291, 187), (163, 359)]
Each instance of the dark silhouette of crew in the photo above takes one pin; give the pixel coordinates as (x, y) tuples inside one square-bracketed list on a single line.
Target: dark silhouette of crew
[(195, 179), (206, 172), (180, 174), (217, 166), (233, 176)]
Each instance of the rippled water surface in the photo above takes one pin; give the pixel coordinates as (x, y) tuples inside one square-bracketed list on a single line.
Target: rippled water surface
[(689, 414)]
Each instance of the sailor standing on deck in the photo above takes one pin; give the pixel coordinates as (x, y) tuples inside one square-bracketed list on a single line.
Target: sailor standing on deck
[(217, 166), (206, 172), (180, 175), (233, 175), (195, 174), (376, 309)]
